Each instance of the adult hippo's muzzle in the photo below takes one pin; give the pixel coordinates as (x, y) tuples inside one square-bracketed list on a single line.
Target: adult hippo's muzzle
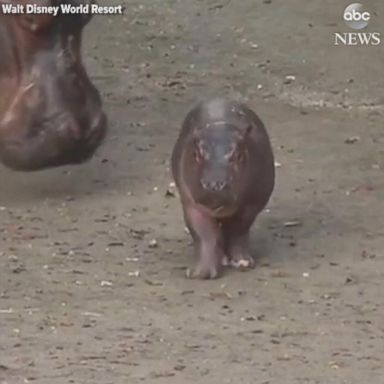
[(51, 114)]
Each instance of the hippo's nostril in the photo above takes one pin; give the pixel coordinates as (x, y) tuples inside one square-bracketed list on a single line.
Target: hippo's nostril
[(98, 125), (205, 184), (221, 185), (215, 185), (65, 124), (99, 121)]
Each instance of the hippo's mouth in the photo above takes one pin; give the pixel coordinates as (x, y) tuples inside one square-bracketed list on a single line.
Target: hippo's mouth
[(224, 211), (220, 212), (218, 208)]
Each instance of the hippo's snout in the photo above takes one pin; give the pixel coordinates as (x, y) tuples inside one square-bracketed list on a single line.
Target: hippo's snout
[(214, 185), (216, 191), (88, 136), (216, 177), (65, 123), (53, 113)]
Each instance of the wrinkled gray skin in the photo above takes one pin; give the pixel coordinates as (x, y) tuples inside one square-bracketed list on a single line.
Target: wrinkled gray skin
[(223, 167)]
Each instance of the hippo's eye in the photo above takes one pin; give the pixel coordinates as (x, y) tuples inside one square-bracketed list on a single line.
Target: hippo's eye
[(198, 155), (237, 157), (200, 151)]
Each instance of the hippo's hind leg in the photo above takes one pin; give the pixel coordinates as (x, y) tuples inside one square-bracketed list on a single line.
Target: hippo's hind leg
[(208, 243), (236, 234)]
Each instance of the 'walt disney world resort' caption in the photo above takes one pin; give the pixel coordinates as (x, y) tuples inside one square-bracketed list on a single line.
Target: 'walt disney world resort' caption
[(66, 9)]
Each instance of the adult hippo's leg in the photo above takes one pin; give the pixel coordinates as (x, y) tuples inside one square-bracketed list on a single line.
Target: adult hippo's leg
[(208, 243)]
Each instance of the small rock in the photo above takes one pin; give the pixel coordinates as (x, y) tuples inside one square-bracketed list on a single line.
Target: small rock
[(116, 244), (6, 311), (153, 243), (169, 193), (352, 139), (292, 223), (134, 259), (350, 280), (154, 283), (289, 79)]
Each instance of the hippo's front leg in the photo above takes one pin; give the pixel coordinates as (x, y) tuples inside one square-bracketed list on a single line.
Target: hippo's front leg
[(238, 249), (208, 243), (236, 234)]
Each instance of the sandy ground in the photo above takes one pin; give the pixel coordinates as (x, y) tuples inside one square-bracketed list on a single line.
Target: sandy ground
[(88, 296)]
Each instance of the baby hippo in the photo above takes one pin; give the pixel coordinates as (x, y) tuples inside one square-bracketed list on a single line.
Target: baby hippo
[(223, 167)]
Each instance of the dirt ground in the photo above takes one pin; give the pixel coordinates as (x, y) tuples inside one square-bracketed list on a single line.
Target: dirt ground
[(92, 286)]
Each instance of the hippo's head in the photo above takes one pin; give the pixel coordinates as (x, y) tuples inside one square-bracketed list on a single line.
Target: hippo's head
[(54, 114), (219, 166)]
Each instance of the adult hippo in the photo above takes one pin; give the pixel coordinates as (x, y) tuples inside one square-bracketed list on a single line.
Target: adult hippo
[(50, 112)]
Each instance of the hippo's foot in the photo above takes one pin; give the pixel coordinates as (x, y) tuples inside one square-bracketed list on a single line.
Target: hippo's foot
[(239, 254), (225, 261), (208, 264), (242, 261), (205, 271), (208, 243)]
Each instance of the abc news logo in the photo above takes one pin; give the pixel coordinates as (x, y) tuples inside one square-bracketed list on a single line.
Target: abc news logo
[(356, 17)]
